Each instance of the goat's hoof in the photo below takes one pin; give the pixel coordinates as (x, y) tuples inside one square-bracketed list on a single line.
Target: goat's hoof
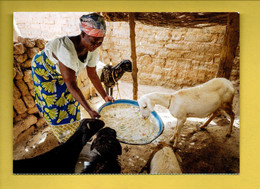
[(175, 148), (228, 135), (203, 128)]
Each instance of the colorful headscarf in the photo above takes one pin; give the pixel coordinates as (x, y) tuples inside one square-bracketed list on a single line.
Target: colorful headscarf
[(93, 25)]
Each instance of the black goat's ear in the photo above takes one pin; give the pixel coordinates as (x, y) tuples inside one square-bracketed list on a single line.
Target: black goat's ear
[(89, 127), (113, 133)]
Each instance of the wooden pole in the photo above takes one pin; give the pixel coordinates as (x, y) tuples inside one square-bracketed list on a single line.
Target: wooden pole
[(228, 51), (133, 54)]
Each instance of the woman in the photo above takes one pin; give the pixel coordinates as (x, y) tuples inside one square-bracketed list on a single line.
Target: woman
[(55, 70)]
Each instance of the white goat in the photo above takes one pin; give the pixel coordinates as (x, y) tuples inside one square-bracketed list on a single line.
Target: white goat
[(199, 101)]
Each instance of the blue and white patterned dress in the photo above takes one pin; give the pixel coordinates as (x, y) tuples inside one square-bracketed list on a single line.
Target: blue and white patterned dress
[(57, 105)]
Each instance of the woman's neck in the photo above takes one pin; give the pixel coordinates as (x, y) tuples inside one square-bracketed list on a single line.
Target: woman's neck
[(77, 43), (81, 51)]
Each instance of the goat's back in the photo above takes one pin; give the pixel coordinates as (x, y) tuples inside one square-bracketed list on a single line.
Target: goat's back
[(164, 161), (219, 89), (201, 100), (220, 85)]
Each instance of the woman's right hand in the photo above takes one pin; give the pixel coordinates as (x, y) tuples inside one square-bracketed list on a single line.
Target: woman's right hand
[(93, 114)]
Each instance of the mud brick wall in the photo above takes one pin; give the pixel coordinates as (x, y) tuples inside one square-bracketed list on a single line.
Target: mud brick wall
[(26, 117), (47, 25), (168, 57), (85, 85)]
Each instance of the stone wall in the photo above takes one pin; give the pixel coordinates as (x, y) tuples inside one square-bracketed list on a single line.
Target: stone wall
[(26, 117)]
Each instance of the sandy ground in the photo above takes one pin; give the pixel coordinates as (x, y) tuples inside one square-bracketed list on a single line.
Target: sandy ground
[(198, 151)]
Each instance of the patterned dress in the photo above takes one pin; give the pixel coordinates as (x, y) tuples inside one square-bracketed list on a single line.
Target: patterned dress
[(58, 107), (60, 110)]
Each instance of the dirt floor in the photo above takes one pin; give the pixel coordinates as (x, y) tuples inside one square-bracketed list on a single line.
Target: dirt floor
[(208, 151)]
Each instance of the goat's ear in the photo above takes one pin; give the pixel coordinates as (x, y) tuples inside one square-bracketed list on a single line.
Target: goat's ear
[(142, 104), (149, 104)]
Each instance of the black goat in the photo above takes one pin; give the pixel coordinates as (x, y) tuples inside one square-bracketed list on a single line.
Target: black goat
[(63, 158), (110, 75), (107, 149)]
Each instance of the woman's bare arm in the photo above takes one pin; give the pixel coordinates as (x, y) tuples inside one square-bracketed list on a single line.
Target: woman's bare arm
[(69, 78)]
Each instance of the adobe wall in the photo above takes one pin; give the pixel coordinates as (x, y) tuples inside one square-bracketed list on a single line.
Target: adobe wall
[(47, 25), (167, 57)]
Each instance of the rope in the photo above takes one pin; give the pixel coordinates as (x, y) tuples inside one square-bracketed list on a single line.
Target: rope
[(118, 92)]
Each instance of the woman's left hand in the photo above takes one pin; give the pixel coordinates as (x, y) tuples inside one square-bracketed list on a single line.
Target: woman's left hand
[(109, 98)]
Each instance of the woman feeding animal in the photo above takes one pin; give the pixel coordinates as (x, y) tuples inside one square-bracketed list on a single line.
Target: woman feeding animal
[(55, 70)]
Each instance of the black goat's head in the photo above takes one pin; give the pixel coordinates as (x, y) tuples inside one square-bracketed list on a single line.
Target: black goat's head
[(110, 75), (126, 65), (107, 132), (107, 144), (89, 127)]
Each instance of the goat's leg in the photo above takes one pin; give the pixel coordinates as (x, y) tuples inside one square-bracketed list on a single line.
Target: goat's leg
[(176, 135), (111, 91), (214, 114), (107, 90), (230, 112)]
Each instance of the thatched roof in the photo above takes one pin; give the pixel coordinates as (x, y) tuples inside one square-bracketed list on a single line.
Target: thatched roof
[(171, 19)]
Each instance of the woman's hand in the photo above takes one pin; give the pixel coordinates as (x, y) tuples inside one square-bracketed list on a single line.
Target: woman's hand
[(109, 98), (93, 114)]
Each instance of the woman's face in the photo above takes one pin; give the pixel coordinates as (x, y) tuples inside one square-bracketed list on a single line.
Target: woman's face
[(91, 43)]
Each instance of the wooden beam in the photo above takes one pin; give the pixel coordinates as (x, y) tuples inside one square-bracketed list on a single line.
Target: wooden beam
[(133, 54), (228, 51)]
